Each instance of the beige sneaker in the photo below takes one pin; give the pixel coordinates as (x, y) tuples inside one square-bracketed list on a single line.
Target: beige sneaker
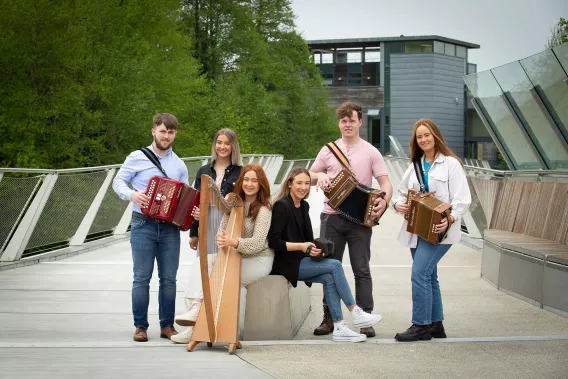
[(189, 318), (183, 337)]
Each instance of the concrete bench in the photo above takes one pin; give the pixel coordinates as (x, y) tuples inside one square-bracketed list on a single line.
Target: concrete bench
[(530, 268), (274, 309)]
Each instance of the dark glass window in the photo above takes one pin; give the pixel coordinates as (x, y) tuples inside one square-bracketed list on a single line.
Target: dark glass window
[(418, 47)]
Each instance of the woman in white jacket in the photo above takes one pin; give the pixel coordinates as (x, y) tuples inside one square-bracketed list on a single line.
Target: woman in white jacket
[(443, 174)]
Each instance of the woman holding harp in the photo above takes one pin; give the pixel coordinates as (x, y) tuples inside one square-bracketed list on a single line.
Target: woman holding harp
[(442, 175), (224, 169)]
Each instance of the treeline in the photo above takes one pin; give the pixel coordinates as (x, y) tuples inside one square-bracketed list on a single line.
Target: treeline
[(80, 80)]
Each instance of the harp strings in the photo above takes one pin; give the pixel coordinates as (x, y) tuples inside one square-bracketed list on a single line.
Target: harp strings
[(217, 207)]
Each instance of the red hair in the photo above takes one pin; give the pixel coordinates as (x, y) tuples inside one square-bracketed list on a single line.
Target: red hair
[(263, 195)]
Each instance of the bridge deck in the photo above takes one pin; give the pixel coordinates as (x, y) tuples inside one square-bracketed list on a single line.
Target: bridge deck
[(71, 318)]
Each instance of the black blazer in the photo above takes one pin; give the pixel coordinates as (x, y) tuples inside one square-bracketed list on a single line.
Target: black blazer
[(285, 228), (227, 186)]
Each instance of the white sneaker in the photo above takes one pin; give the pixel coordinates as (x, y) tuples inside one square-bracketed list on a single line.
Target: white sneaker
[(362, 319), (189, 318), (183, 337), (341, 333)]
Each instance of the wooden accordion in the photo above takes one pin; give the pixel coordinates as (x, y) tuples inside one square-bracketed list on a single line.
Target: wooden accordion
[(353, 200), (425, 213), (171, 201)]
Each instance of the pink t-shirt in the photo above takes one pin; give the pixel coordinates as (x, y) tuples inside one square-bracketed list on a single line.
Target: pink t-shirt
[(365, 160)]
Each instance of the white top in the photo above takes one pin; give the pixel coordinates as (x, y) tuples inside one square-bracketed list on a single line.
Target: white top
[(447, 178)]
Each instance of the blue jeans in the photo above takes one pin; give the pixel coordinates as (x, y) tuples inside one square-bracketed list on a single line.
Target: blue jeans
[(328, 272), (426, 296), (161, 242)]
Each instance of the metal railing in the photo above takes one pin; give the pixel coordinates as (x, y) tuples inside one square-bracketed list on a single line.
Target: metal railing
[(43, 210)]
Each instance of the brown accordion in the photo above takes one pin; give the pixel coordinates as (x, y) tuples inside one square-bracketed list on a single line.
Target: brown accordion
[(171, 201), (424, 214), (353, 200)]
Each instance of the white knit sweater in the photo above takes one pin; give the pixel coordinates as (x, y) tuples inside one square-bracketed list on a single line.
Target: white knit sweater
[(254, 242)]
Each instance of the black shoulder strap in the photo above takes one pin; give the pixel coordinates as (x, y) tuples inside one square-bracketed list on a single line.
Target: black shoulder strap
[(419, 174), (152, 157)]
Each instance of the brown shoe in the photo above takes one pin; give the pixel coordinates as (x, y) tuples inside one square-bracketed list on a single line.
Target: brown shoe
[(326, 325), (168, 332), (369, 332), (140, 335)]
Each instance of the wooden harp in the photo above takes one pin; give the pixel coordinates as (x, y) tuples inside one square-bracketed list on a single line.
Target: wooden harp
[(218, 319)]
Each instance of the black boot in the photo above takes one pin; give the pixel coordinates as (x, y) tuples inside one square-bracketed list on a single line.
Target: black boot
[(437, 329), (415, 333), (326, 325)]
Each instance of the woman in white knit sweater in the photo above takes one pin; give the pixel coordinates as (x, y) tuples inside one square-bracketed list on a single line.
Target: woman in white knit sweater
[(253, 187)]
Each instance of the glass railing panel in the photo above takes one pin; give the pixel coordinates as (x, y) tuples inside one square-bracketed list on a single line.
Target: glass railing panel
[(548, 77), (517, 86), (488, 93)]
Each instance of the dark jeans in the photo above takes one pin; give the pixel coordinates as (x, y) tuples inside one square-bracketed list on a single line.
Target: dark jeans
[(358, 238), (154, 241)]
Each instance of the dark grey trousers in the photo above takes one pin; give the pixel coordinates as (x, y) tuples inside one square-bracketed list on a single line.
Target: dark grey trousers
[(358, 239)]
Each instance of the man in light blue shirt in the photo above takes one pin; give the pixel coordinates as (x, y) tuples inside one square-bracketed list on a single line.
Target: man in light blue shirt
[(152, 239)]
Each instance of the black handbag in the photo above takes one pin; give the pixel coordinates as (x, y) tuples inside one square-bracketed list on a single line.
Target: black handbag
[(326, 246)]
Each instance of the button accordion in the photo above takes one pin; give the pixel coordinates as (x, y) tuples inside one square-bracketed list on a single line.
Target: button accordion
[(424, 214), (171, 201), (353, 200)]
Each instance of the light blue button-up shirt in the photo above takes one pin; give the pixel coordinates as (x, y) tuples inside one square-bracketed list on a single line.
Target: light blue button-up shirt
[(137, 170)]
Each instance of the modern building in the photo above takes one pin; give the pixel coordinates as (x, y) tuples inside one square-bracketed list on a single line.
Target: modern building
[(398, 80)]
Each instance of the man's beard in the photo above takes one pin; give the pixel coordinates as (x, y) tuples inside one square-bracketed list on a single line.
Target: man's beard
[(162, 146)]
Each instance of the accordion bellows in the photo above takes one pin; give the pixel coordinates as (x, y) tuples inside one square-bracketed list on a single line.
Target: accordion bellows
[(351, 199), (425, 213), (171, 201)]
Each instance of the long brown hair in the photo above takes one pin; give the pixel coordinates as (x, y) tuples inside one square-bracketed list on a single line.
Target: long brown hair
[(235, 147), (440, 145), (285, 186), (263, 195)]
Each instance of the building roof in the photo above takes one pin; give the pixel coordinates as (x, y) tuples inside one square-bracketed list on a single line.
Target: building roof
[(375, 41)]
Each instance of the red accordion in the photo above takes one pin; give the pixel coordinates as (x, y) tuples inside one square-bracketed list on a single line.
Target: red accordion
[(171, 201)]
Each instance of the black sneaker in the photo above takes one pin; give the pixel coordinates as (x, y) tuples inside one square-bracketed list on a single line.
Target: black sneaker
[(369, 332), (437, 330), (415, 333)]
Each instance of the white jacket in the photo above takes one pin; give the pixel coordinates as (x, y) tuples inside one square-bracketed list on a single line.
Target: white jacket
[(447, 178)]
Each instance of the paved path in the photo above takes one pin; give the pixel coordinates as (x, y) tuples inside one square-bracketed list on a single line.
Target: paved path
[(71, 318)]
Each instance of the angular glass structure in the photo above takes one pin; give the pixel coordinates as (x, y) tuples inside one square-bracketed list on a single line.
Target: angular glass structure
[(524, 106)]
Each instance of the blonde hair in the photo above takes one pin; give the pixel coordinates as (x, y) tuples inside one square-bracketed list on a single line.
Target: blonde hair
[(235, 147), (285, 186), (440, 145)]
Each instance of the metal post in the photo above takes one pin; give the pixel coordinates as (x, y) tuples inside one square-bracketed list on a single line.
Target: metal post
[(524, 130), (493, 134), (260, 161), (273, 169), (472, 228), (122, 225), (555, 127), (83, 229), (23, 233)]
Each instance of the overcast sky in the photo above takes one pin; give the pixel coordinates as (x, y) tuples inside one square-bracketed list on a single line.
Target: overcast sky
[(506, 30)]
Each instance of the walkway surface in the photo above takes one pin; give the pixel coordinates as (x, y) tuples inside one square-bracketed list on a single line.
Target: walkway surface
[(71, 318)]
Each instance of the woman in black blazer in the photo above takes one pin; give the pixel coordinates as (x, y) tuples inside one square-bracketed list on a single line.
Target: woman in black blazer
[(291, 237)]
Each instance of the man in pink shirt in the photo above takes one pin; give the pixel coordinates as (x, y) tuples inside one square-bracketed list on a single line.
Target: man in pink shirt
[(366, 162)]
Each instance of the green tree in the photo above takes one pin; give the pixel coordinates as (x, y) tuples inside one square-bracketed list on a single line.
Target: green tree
[(559, 34), (268, 88), (81, 79)]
